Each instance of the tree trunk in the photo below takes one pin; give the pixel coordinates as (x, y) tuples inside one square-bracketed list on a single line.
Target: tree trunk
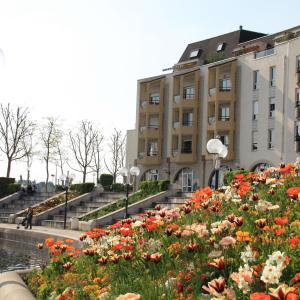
[(8, 168), (84, 175), (47, 176)]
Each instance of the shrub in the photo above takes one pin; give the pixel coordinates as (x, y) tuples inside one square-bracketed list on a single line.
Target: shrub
[(13, 188), (118, 187), (150, 186), (163, 185), (106, 181), (4, 183), (83, 188)]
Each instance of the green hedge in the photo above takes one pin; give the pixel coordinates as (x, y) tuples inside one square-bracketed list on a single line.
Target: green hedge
[(118, 187), (154, 186), (82, 188), (163, 185), (4, 186), (13, 188), (106, 181)]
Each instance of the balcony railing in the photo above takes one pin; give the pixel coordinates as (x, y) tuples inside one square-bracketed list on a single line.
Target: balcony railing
[(186, 150), (176, 125), (224, 118), (212, 91), (189, 96), (152, 153), (225, 88), (263, 53), (187, 123), (154, 101), (153, 126)]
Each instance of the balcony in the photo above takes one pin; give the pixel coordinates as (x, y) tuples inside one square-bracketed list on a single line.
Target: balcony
[(224, 88), (153, 126), (174, 152), (144, 104), (143, 128), (154, 101), (152, 153), (186, 150), (141, 155), (224, 118), (176, 125), (189, 96), (264, 53), (187, 123)]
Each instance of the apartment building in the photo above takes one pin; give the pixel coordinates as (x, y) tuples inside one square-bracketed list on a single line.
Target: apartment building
[(242, 86)]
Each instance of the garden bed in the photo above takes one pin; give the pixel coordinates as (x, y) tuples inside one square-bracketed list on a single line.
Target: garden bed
[(241, 242)]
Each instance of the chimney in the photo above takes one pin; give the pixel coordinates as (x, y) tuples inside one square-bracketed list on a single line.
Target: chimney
[(241, 27)]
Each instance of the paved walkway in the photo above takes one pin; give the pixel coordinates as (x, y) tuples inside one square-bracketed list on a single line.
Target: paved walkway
[(72, 234)]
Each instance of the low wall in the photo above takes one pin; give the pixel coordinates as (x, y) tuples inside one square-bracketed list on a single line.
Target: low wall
[(119, 214), (12, 287), (9, 198)]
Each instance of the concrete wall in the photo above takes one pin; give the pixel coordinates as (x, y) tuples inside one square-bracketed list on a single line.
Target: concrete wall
[(131, 147)]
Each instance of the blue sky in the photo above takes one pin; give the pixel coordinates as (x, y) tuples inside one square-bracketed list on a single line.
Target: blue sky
[(81, 59)]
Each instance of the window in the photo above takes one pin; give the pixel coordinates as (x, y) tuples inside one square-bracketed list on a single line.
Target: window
[(194, 53), (220, 47), (298, 64), (154, 98), (189, 92), (272, 107), (255, 80), (187, 118), (255, 110), (224, 112), (224, 139), (272, 76), (186, 145), (152, 148), (225, 85), (297, 131), (152, 175), (297, 97), (254, 141), (153, 121), (271, 139)]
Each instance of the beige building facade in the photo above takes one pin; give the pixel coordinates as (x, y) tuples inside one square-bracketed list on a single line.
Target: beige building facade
[(242, 86)]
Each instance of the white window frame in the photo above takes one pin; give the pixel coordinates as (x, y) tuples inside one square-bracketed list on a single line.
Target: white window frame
[(194, 53), (256, 80), (272, 76), (189, 95), (220, 46), (272, 108), (271, 138), (255, 110)]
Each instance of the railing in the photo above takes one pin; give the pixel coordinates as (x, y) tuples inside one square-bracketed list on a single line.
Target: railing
[(187, 123), (211, 120), (225, 88), (186, 150), (154, 101), (224, 118), (263, 53), (189, 96), (212, 91), (153, 126), (152, 153)]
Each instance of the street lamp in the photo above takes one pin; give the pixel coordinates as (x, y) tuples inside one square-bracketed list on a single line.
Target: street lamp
[(219, 151), (66, 181), (134, 172)]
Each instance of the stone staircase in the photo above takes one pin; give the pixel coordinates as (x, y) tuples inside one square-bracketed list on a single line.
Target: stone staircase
[(20, 203), (80, 209)]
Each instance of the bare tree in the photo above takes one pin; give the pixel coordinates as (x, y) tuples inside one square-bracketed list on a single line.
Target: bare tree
[(15, 126), (97, 153), (117, 149), (82, 144), (50, 135)]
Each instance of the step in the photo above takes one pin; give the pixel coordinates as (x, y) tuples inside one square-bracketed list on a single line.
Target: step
[(61, 217), (6, 214), (169, 205), (101, 200), (3, 219), (56, 224)]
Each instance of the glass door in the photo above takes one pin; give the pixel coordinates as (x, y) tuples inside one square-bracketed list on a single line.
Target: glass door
[(187, 180)]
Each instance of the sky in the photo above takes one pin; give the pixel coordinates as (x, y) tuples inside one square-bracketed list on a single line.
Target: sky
[(76, 59)]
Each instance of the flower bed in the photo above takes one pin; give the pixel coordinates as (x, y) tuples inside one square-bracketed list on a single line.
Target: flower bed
[(241, 242), (54, 201)]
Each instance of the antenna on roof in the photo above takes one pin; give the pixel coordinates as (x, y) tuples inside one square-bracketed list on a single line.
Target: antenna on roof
[(241, 27)]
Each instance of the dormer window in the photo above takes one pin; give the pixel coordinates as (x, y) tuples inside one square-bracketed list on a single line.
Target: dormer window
[(194, 53), (220, 47)]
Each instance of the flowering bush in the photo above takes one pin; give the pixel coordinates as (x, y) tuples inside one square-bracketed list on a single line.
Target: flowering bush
[(240, 242)]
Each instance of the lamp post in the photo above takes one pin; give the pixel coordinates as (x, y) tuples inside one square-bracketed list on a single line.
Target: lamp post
[(66, 183), (219, 151), (134, 172)]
